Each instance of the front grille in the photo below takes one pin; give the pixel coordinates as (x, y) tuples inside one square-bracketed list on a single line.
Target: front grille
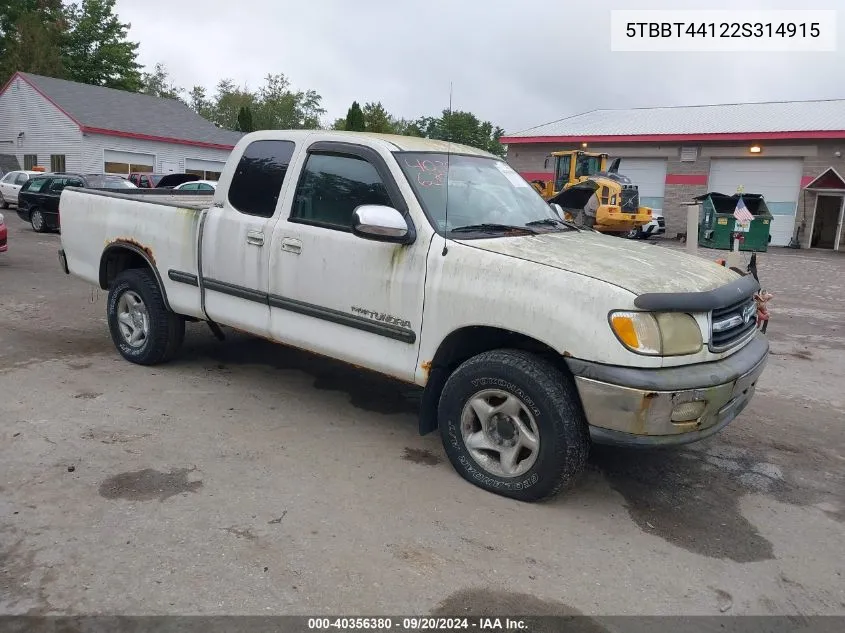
[(630, 199), (733, 324)]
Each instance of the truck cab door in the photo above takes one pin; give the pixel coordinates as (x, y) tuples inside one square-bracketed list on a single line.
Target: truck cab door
[(335, 293), (235, 238)]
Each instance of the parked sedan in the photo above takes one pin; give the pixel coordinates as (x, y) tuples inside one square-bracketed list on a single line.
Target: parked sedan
[(38, 201), (197, 185), (10, 186)]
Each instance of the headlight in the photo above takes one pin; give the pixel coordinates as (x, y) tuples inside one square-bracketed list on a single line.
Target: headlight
[(657, 333)]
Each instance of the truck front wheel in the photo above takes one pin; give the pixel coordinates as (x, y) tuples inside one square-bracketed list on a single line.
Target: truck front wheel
[(142, 328), (511, 423)]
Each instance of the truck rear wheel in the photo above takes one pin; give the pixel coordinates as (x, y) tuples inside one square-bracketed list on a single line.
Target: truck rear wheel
[(512, 423), (142, 328)]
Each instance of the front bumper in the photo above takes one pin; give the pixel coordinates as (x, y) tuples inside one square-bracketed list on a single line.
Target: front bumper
[(633, 407)]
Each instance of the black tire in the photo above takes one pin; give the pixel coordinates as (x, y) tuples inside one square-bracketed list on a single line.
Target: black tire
[(553, 401), (166, 329), (35, 215)]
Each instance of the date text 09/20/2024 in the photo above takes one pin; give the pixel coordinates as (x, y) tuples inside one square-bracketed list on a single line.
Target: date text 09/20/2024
[(417, 624)]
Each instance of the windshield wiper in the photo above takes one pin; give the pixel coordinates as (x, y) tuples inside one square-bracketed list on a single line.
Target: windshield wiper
[(554, 222), (491, 228)]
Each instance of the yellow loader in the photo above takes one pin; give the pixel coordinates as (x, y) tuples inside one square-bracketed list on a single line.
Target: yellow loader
[(592, 193)]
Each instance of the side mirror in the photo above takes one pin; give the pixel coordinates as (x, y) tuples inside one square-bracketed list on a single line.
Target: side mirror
[(546, 163), (381, 223)]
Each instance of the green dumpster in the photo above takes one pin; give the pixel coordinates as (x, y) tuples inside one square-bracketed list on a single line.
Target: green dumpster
[(717, 224)]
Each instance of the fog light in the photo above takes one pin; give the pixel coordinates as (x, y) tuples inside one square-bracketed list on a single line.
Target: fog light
[(688, 411)]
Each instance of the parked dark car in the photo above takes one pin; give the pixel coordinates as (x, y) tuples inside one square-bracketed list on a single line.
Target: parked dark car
[(38, 200), (163, 181), (145, 180), (173, 180)]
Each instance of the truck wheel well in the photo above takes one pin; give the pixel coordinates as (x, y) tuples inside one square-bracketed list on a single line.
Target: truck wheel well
[(462, 345), (119, 257)]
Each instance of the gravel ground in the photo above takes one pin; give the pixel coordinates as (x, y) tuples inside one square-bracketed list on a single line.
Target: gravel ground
[(248, 478)]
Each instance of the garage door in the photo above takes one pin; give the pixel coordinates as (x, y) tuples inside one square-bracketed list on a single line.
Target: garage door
[(206, 169), (649, 174), (778, 180), (124, 163)]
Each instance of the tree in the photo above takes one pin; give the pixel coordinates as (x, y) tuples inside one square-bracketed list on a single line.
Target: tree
[(158, 84), (199, 102), (228, 102), (31, 37), (278, 107), (355, 119), (97, 50), (377, 119), (465, 128), (245, 123)]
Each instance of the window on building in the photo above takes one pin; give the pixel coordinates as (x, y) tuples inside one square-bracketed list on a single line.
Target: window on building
[(331, 188), (116, 168), (57, 163), (196, 172), (124, 169), (30, 161), (259, 176), (212, 175)]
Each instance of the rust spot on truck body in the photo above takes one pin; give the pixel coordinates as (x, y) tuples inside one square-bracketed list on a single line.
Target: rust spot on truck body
[(133, 242), (426, 367)]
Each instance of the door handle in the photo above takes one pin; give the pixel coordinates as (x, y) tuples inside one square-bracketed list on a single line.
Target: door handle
[(292, 245), (255, 238)]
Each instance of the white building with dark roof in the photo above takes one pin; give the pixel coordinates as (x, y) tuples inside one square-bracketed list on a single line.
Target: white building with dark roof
[(793, 153), (67, 126)]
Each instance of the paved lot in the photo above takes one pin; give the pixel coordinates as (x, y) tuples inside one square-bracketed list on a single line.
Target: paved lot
[(251, 478)]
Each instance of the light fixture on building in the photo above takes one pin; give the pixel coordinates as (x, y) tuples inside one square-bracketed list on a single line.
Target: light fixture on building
[(583, 145), (755, 149)]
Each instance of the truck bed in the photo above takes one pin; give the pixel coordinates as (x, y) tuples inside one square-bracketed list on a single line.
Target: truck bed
[(161, 225), (167, 197)]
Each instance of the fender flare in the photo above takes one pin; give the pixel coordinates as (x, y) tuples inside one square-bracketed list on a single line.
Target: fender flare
[(121, 245)]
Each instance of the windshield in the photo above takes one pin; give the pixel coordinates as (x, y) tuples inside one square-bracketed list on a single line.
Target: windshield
[(587, 166), (482, 191)]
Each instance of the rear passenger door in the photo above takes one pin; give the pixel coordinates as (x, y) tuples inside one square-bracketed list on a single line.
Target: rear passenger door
[(236, 238), (333, 292)]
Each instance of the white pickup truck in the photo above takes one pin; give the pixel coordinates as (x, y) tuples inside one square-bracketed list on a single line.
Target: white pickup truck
[(438, 265)]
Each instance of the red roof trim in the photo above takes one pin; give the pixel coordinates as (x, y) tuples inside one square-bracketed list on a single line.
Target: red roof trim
[(537, 175), (667, 138), (38, 90), (158, 139), (686, 179), (818, 182)]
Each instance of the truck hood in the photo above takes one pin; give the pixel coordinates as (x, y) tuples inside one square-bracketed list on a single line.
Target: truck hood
[(640, 267)]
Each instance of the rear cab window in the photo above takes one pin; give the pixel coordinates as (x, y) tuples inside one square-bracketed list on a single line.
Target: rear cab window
[(259, 177)]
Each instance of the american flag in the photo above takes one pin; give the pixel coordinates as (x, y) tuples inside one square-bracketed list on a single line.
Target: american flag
[(741, 213)]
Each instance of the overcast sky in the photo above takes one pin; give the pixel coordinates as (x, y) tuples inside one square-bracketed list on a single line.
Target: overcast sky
[(518, 63)]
